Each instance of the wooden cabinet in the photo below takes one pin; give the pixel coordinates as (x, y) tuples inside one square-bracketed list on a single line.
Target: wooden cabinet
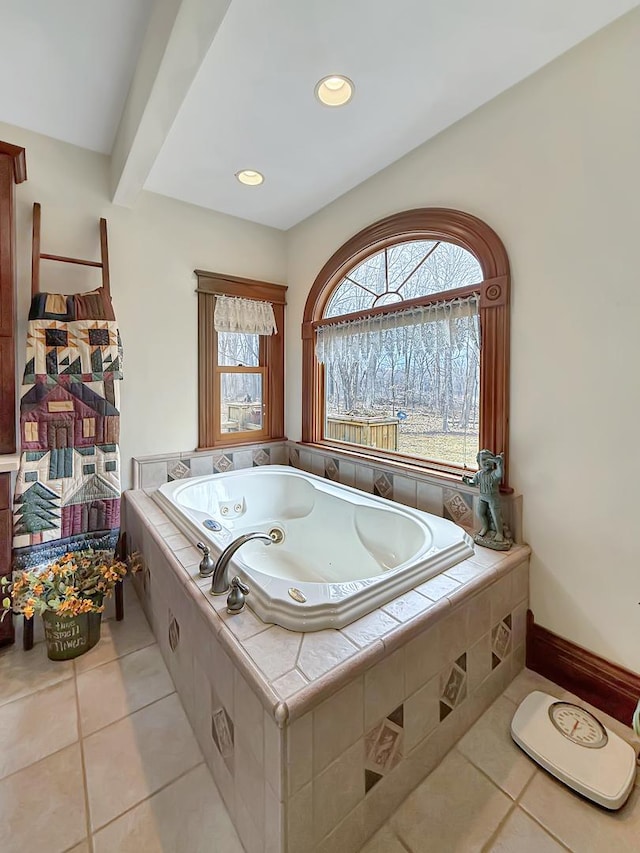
[(12, 171)]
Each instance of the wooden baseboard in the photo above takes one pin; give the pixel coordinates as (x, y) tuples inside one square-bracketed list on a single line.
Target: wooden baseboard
[(604, 684)]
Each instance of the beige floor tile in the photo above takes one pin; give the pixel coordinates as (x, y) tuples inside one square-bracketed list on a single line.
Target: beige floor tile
[(527, 681), (579, 824), (119, 638), (36, 726), (42, 807), (488, 745), (384, 841), (120, 687), (520, 834), (135, 757), (456, 809), (22, 673), (187, 816)]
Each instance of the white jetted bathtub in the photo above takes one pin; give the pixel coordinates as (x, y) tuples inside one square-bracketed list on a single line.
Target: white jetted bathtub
[(343, 553)]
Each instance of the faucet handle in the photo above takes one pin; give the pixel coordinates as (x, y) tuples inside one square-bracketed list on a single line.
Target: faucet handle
[(207, 564), (236, 598)]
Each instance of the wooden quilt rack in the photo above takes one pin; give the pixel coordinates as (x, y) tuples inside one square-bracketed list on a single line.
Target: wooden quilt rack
[(37, 255), (103, 264)]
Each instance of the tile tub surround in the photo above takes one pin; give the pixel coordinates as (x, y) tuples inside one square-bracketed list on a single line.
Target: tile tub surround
[(314, 739), (149, 472), (441, 496)]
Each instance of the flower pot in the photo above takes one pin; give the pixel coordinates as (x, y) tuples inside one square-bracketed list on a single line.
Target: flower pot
[(69, 637)]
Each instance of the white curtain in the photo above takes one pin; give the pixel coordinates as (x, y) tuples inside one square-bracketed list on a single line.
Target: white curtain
[(360, 338), (251, 316)]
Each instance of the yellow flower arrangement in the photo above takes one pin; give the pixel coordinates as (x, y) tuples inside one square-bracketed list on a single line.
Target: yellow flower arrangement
[(74, 584)]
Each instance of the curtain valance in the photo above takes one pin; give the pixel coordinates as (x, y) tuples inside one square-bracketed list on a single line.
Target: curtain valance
[(366, 333), (251, 316)]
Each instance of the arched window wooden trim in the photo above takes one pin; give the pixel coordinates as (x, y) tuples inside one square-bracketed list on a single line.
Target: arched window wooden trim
[(453, 226)]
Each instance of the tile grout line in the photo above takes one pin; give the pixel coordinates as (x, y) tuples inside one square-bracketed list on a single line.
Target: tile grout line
[(118, 657), (85, 788), (151, 795), (486, 847), (38, 690), (400, 840), (89, 734), (514, 800), (130, 713), (535, 819)]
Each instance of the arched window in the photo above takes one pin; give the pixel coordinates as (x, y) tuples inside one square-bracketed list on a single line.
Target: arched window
[(406, 342)]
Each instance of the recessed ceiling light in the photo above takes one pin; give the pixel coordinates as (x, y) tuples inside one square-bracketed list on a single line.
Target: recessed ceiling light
[(335, 90), (250, 177)]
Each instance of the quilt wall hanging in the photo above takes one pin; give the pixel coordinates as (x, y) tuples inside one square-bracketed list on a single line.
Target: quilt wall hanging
[(67, 493)]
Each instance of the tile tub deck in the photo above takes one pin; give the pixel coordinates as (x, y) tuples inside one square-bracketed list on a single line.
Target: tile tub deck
[(314, 739)]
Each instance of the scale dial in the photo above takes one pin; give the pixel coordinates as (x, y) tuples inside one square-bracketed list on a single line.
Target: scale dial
[(578, 725)]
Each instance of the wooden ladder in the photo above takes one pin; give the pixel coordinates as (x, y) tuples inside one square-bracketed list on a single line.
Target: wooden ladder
[(37, 255)]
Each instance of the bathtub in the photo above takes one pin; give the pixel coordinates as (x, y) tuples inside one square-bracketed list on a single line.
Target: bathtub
[(343, 552)]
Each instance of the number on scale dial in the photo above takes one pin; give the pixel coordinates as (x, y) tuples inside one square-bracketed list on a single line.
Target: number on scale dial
[(578, 725)]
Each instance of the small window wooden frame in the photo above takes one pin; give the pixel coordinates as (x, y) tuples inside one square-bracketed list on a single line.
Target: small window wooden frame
[(271, 361), (453, 226)]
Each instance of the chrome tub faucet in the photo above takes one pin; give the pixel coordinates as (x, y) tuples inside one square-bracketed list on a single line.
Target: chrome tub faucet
[(220, 583)]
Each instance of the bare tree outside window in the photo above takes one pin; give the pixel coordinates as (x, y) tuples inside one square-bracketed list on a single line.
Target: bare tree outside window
[(411, 387), (241, 393)]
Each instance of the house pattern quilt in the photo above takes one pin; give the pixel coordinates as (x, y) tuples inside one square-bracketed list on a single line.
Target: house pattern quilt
[(67, 493)]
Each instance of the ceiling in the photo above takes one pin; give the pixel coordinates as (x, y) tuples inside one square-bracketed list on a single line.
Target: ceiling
[(246, 101), (66, 65)]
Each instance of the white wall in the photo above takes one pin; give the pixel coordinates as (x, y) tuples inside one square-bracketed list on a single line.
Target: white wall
[(553, 166), (153, 249)]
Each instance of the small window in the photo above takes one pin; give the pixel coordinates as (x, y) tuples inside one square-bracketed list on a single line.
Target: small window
[(241, 374), (405, 341)]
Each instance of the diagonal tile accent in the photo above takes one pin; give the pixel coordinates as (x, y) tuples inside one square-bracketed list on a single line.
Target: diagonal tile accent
[(179, 470), (453, 686), (383, 747), (332, 469), (500, 641), (382, 485), (458, 507), (261, 457)]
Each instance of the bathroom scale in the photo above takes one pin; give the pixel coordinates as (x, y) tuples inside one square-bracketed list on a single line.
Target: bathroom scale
[(574, 746)]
